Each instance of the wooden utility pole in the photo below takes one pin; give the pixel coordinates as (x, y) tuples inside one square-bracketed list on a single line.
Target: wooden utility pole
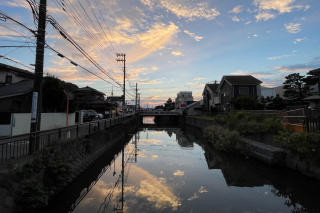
[(135, 107), (38, 74), (122, 57)]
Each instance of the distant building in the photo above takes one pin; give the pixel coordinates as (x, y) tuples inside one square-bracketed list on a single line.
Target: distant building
[(280, 91), (268, 92), (183, 99), (89, 98)]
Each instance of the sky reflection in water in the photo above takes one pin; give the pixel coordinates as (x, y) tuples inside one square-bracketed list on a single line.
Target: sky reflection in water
[(168, 177)]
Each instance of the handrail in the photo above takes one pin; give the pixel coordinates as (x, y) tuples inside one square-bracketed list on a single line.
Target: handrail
[(25, 144)]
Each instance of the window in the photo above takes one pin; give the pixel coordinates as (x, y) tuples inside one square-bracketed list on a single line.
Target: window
[(8, 79), (243, 90)]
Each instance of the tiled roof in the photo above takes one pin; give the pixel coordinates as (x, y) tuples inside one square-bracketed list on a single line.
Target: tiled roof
[(241, 80), (88, 89), (213, 87), (5, 67), (19, 88)]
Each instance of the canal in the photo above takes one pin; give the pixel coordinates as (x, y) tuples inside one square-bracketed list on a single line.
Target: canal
[(172, 170)]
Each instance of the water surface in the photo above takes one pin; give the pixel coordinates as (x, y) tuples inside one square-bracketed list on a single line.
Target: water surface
[(168, 170)]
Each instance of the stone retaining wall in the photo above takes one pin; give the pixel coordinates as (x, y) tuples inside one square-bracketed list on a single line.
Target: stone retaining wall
[(266, 153)]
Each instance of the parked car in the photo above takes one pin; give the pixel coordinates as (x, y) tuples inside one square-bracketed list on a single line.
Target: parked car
[(90, 115)]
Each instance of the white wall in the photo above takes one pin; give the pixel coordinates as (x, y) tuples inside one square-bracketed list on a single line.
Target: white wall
[(5, 130), (21, 122)]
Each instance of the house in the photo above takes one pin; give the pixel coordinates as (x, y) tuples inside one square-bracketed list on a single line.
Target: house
[(232, 86), (10, 75), (116, 101), (89, 98), (211, 99), (16, 97), (194, 109), (16, 87), (183, 99)]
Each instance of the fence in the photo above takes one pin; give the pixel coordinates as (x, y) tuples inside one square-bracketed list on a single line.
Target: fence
[(23, 145), (313, 121), (301, 120)]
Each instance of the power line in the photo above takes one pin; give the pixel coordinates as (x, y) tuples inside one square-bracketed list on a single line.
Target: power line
[(76, 64)]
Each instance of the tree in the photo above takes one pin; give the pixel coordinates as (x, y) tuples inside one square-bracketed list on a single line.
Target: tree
[(295, 87), (169, 105), (246, 102), (313, 77), (159, 107), (53, 94), (276, 103), (54, 99)]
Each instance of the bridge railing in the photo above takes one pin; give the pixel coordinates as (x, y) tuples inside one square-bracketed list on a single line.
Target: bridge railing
[(159, 113), (19, 146)]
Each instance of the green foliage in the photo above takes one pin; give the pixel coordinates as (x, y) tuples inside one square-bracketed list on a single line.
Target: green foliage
[(247, 124), (246, 102), (32, 197), (169, 105), (53, 94), (41, 179), (295, 87), (222, 138), (304, 144), (57, 174)]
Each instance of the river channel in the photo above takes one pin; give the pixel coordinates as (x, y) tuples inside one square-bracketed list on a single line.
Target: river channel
[(172, 170)]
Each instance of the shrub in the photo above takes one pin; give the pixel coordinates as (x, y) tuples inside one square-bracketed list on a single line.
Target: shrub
[(222, 138), (303, 144)]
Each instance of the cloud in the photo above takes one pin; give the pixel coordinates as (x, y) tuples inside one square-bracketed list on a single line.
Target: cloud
[(199, 78), (177, 53), (155, 68), (265, 16), (299, 39), (279, 57), (196, 194), (268, 9), (255, 74), (197, 38), (188, 9), (293, 28), (157, 90), (294, 68), (282, 6), (147, 81), (235, 18), (15, 3), (237, 9), (178, 173)]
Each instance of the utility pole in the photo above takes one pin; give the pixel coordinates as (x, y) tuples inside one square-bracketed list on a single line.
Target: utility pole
[(38, 74), (122, 57), (135, 108)]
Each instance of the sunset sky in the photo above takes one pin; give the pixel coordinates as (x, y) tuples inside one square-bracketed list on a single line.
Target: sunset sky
[(170, 45)]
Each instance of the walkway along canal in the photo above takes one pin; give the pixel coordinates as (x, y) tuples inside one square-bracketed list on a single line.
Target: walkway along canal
[(162, 169)]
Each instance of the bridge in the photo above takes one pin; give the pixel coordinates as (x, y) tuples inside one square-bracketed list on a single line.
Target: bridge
[(159, 113)]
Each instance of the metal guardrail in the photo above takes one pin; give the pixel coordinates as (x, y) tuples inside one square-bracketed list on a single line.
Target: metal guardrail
[(155, 113), (19, 146)]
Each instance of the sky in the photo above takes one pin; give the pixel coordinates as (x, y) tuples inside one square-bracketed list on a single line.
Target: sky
[(170, 45)]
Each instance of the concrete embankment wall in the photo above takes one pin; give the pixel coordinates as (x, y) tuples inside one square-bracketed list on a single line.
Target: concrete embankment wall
[(266, 153), (79, 154)]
